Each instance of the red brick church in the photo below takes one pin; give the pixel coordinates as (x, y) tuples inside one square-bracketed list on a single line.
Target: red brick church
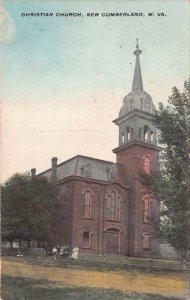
[(106, 208)]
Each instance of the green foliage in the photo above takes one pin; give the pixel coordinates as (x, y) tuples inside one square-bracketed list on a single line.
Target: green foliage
[(27, 206), (169, 185)]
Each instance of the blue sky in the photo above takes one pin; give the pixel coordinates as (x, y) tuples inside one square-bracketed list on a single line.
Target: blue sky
[(76, 71)]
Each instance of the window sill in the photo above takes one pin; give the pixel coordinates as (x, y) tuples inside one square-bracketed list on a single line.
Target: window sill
[(112, 220), (87, 218)]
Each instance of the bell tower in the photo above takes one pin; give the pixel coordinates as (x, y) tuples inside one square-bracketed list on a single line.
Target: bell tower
[(137, 153)]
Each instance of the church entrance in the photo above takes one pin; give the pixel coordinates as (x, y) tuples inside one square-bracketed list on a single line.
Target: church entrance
[(111, 240)]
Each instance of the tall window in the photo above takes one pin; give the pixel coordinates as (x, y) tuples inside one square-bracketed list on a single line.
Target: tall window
[(147, 209), (131, 133), (122, 138), (140, 132), (151, 136), (147, 164), (112, 173), (87, 171), (113, 207), (128, 133), (87, 204), (146, 129), (86, 239), (146, 241)]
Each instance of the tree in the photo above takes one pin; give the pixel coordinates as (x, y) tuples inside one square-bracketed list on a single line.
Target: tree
[(29, 207), (169, 184)]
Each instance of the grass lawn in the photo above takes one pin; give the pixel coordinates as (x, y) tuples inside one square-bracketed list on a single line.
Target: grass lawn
[(41, 278), (91, 264), (22, 288)]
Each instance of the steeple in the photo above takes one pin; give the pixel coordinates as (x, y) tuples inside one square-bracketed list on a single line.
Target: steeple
[(137, 114), (137, 80)]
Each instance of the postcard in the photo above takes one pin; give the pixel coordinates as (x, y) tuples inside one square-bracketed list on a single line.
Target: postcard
[(80, 85)]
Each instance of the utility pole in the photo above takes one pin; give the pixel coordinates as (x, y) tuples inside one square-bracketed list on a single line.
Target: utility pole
[(187, 85)]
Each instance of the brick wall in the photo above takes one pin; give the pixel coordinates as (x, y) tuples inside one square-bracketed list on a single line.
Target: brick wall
[(99, 228), (130, 162)]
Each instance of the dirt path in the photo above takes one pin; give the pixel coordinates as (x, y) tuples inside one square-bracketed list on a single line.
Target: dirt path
[(125, 281)]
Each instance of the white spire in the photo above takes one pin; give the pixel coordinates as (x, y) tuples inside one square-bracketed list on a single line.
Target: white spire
[(137, 80)]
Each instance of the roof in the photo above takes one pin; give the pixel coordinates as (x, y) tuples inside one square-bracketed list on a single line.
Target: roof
[(99, 169)]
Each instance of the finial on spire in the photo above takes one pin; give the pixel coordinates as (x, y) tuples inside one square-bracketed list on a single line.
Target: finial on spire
[(137, 45), (137, 79)]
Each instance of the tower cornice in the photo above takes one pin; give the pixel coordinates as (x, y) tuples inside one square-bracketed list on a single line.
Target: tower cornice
[(135, 112), (139, 143)]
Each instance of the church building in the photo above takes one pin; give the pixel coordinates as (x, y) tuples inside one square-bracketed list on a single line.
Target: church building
[(107, 210)]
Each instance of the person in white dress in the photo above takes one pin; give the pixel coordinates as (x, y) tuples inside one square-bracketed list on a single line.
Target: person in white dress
[(75, 253)]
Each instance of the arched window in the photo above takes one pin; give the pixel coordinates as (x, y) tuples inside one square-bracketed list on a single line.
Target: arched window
[(128, 134), (147, 209), (151, 136), (87, 204), (131, 133), (122, 138), (146, 129), (112, 173), (113, 207), (147, 164), (88, 170)]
